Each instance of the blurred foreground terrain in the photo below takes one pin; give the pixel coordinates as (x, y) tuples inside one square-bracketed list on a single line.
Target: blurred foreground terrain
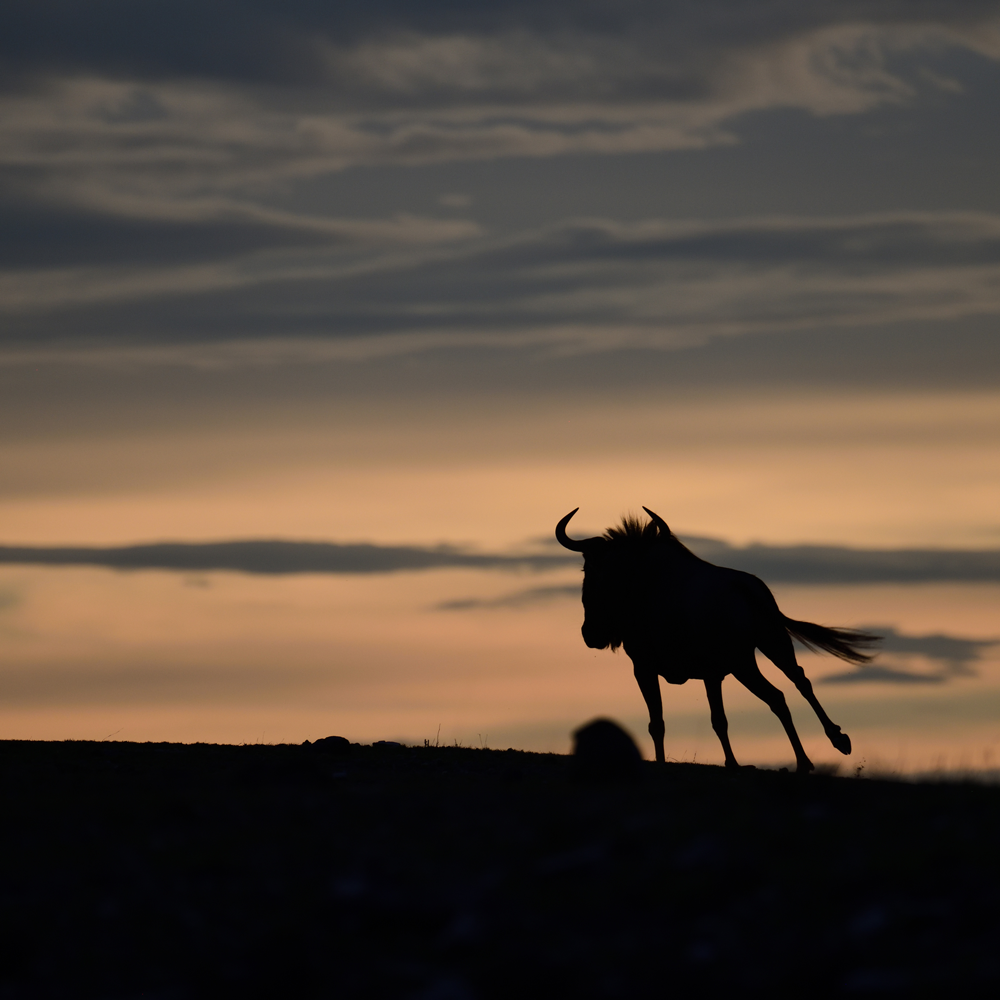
[(446, 873)]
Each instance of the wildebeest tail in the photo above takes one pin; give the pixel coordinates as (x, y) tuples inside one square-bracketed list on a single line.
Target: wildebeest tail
[(849, 644)]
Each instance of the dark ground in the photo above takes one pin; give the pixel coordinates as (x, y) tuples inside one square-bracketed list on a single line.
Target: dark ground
[(166, 870)]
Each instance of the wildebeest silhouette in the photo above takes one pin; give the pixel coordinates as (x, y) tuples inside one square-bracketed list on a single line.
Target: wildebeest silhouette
[(680, 617)]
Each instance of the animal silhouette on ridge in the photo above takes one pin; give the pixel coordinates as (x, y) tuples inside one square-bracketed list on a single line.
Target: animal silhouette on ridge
[(680, 617)]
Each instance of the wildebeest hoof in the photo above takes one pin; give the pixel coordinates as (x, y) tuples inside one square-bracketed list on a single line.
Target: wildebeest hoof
[(804, 767), (841, 741)]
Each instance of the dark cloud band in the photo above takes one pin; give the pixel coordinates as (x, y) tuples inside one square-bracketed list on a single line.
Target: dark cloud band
[(835, 564), (290, 42), (275, 557), (807, 564), (656, 284)]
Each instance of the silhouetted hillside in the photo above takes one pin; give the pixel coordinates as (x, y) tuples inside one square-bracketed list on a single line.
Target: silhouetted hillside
[(167, 870)]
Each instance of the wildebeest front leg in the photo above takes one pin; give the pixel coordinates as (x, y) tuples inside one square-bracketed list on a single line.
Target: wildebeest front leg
[(755, 681), (649, 685), (713, 688)]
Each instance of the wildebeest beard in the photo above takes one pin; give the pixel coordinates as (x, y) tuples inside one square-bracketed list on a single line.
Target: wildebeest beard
[(618, 583)]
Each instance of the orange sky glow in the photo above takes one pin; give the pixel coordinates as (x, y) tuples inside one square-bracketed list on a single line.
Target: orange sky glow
[(423, 282)]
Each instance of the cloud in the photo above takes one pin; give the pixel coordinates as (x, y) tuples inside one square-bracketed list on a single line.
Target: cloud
[(278, 557), (879, 674), (518, 599), (841, 565), (806, 564), (954, 654), (398, 46), (131, 110), (581, 285), (146, 163), (37, 240), (949, 656)]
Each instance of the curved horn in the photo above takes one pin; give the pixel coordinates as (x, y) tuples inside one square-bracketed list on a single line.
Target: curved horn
[(571, 543), (658, 521)]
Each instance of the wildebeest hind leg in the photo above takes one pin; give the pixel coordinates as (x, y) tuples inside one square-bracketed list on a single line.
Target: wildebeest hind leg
[(713, 688), (751, 678), (781, 653)]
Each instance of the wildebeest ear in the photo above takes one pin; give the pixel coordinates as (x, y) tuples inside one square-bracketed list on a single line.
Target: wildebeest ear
[(658, 521), (571, 543)]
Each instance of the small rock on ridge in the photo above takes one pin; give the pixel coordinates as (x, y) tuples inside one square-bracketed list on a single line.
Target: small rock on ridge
[(603, 751)]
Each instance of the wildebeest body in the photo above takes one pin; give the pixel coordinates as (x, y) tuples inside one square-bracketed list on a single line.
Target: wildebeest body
[(680, 617)]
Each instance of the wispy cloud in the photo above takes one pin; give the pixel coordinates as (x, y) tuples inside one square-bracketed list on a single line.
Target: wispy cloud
[(517, 599), (948, 657), (145, 132), (881, 674), (127, 115), (584, 284), (144, 163), (291, 41)]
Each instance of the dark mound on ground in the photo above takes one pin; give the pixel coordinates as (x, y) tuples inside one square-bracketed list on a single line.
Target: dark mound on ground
[(603, 751), (177, 871)]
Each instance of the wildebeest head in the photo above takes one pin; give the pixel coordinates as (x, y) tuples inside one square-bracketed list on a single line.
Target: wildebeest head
[(618, 568)]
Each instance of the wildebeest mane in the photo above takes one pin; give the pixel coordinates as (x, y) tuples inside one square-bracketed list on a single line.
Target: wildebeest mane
[(633, 530), (643, 534)]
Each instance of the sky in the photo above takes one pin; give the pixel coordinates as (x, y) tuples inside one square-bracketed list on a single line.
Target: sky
[(316, 318)]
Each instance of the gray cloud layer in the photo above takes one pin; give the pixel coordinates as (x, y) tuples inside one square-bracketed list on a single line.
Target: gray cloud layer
[(300, 42), (779, 564), (147, 150), (585, 283), (836, 564), (137, 112), (950, 657), (275, 557)]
